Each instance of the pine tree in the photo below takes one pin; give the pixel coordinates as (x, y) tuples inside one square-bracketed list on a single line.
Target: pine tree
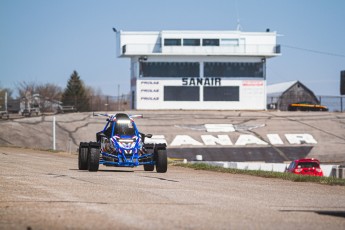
[(75, 94)]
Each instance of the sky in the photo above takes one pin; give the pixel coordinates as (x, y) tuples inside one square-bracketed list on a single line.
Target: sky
[(44, 41)]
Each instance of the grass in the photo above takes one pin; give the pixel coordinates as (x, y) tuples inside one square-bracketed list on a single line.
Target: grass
[(266, 174)]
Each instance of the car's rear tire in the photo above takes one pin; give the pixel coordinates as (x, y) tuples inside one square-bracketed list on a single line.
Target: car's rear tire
[(149, 167), (93, 159), (82, 157), (161, 161)]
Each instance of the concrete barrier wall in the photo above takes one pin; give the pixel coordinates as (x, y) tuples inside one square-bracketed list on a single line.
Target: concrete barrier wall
[(272, 167)]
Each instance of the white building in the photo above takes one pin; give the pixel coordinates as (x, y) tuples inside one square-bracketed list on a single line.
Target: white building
[(202, 70)]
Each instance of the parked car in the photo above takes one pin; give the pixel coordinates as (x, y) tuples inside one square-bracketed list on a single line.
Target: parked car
[(310, 167), (306, 106)]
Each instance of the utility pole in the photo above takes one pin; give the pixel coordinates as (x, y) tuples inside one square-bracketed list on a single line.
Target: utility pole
[(118, 97), (5, 101), (54, 134)]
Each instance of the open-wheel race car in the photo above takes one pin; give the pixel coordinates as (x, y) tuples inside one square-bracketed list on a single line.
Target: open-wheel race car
[(120, 144)]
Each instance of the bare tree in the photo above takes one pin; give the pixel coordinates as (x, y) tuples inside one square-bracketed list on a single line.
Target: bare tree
[(50, 94), (42, 95), (25, 88), (96, 98)]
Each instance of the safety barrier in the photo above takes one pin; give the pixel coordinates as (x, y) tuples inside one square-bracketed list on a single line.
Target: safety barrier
[(338, 171), (328, 170)]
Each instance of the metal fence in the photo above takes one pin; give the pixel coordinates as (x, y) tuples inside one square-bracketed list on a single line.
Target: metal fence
[(110, 103), (123, 102), (334, 103)]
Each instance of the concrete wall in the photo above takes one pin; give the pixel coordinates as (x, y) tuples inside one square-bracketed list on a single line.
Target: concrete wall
[(328, 170)]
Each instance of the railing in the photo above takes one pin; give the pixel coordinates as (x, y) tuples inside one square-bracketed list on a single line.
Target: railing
[(242, 49)]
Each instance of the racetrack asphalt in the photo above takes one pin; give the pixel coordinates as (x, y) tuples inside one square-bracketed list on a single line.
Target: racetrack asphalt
[(45, 190)]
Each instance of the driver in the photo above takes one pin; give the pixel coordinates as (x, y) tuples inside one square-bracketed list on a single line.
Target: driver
[(109, 130), (124, 127)]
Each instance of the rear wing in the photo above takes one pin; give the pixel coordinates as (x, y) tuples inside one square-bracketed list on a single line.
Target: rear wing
[(112, 116)]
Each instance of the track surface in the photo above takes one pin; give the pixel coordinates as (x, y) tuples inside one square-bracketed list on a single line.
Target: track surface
[(44, 190)]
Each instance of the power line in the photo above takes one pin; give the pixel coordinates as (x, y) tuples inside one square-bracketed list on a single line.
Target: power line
[(314, 51)]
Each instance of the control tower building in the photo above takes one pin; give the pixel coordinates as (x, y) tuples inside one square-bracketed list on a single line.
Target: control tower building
[(197, 70)]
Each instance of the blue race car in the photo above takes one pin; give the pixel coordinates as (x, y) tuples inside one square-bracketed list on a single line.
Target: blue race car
[(120, 144)]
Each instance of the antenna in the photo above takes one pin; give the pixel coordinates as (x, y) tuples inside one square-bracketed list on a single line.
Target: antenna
[(239, 27)]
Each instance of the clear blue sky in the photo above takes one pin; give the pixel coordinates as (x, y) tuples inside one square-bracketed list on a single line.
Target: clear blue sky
[(43, 41)]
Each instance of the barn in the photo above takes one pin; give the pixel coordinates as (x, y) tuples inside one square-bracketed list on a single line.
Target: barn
[(280, 95)]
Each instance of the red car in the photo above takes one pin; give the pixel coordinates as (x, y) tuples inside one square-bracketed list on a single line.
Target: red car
[(310, 167)]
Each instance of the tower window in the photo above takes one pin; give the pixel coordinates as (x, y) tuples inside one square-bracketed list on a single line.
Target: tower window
[(172, 42), (210, 42), (191, 42)]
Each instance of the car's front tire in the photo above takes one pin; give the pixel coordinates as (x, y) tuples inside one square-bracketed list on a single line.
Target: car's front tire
[(93, 159), (82, 157), (161, 161)]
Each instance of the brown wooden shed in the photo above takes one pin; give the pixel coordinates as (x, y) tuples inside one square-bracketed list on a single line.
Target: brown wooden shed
[(280, 95)]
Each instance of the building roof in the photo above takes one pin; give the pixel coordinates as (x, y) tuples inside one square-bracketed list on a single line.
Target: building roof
[(279, 88)]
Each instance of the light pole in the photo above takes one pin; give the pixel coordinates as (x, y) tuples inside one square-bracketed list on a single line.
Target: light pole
[(118, 97)]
